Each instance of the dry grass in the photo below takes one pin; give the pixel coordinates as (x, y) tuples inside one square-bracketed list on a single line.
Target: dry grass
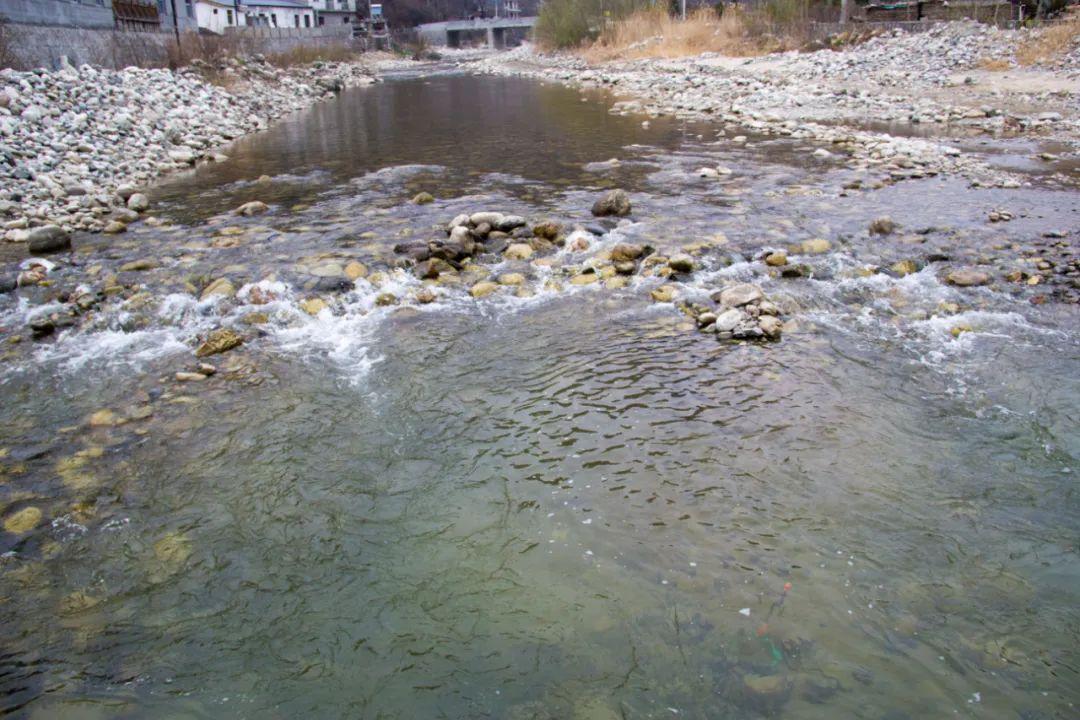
[(994, 64), (1051, 42), (307, 54), (655, 34)]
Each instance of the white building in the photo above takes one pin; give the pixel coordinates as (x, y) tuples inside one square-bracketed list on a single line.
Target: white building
[(216, 15), (278, 13), (336, 12)]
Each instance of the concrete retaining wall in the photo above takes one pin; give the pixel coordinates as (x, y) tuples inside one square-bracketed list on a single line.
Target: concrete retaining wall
[(74, 13), (26, 47)]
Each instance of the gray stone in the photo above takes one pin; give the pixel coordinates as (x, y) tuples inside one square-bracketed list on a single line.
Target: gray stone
[(138, 202), (741, 294), (729, 320), (49, 238)]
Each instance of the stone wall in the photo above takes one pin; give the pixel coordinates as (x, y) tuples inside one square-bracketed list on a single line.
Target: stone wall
[(26, 47)]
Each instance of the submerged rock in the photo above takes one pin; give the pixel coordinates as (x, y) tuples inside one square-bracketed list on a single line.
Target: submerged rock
[(882, 226), (140, 265), (222, 287), (904, 267), (664, 293), (22, 521), (423, 198), (815, 246)]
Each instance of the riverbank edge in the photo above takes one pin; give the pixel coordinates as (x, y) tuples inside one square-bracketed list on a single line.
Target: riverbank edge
[(250, 96), (687, 88)]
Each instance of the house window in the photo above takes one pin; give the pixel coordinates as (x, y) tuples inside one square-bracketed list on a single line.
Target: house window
[(296, 20), (273, 19), (215, 11), (307, 21), (228, 16)]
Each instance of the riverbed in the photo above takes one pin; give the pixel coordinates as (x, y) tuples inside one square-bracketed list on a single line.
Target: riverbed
[(561, 500)]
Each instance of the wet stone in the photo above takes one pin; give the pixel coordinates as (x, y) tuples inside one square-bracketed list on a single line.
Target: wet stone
[(48, 239), (626, 252), (664, 293), (255, 207), (483, 289), (613, 202), (967, 278), (219, 341)]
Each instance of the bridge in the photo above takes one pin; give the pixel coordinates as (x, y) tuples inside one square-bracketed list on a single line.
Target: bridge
[(496, 30)]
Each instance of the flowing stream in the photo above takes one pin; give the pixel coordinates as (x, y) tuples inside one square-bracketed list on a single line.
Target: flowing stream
[(562, 502)]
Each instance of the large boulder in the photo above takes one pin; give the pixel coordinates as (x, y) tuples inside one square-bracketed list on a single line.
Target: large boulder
[(613, 202), (49, 238)]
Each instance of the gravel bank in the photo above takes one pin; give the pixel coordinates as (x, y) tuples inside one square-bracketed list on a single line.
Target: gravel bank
[(76, 144), (837, 97)]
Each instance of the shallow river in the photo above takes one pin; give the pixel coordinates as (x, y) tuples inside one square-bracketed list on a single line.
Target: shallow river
[(570, 504)]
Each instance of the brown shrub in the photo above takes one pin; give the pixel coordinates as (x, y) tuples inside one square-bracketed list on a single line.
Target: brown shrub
[(1050, 42), (307, 54)]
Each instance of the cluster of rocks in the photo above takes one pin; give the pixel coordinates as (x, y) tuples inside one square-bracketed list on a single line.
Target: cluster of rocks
[(933, 56), (494, 237), (75, 143), (742, 312)]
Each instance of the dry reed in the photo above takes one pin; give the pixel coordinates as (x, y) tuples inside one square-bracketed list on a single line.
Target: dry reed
[(655, 34)]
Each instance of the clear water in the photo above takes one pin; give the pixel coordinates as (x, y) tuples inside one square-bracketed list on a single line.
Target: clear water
[(564, 506)]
